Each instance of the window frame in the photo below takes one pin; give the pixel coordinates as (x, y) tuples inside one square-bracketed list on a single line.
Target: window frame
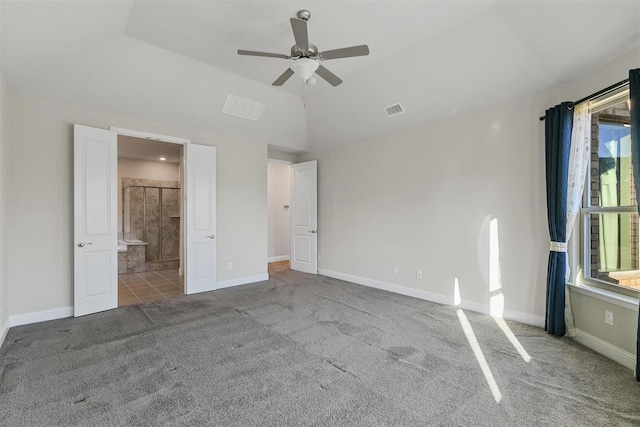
[(583, 276)]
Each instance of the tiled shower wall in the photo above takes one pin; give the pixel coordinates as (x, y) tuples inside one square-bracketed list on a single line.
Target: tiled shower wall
[(170, 223), (132, 213), (135, 214)]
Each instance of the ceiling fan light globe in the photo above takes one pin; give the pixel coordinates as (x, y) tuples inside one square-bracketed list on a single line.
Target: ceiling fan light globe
[(305, 67), (311, 81)]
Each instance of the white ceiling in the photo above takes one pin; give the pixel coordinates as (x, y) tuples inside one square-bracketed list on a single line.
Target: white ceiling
[(176, 61)]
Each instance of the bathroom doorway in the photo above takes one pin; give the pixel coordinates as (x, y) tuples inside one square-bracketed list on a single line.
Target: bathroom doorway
[(151, 230)]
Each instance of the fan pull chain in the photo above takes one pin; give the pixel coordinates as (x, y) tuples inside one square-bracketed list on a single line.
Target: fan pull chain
[(304, 103)]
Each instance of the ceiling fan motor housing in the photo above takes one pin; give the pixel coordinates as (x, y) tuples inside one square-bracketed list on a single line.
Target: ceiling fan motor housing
[(312, 52)]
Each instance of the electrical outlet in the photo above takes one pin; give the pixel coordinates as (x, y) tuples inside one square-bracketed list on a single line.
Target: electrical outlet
[(419, 274), (608, 317), (396, 269), (229, 266)]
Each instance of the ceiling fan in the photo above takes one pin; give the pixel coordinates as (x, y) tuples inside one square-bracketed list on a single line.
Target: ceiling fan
[(306, 57)]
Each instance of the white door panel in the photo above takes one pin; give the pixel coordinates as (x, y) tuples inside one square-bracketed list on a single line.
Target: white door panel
[(304, 218), (303, 245), (95, 221), (200, 275)]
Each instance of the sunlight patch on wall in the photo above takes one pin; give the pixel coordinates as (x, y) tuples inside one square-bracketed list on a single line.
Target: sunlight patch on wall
[(477, 352), (496, 298)]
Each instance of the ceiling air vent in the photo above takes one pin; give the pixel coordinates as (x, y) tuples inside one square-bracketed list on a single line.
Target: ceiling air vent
[(241, 107), (393, 110)]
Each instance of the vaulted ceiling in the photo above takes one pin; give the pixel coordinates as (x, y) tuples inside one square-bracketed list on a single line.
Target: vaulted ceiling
[(176, 61)]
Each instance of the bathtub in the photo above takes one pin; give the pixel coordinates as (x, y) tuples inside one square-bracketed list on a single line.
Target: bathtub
[(122, 244), (133, 242), (131, 255)]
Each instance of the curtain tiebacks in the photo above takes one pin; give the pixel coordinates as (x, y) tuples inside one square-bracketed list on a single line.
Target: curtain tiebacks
[(558, 246)]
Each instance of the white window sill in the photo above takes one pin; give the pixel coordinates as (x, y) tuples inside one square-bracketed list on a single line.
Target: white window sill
[(625, 301)]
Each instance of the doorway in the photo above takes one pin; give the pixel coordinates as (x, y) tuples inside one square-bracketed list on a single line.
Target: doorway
[(278, 205), (151, 231), (95, 206)]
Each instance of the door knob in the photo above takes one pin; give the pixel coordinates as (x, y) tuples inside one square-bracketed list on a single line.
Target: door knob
[(81, 245), (213, 236), (313, 231)]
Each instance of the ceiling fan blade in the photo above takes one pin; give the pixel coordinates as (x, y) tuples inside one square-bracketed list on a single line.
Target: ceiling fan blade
[(328, 76), (270, 55), (299, 27), (345, 52), (283, 77)]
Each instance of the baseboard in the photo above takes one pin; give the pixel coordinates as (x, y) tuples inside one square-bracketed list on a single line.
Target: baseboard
[(278, 258), (3, 334), (242, 281), (528, 319), (596, 344), (40, 316), (62, 312), (372, 283)]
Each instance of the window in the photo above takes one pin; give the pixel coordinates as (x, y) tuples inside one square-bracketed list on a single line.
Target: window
[(609, 214)]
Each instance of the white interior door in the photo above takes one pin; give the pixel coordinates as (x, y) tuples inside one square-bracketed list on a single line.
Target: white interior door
[(304, 217), (95, 274), (200, 181)]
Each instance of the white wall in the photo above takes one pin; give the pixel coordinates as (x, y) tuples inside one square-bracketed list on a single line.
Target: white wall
[(4, 142), (463, 199), (40, 198), (282, 155), (136, 168), (428, 198), (278, 193)]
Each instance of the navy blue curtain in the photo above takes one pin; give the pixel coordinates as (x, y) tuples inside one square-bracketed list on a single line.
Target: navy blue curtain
[(634, 96), (558, 123)]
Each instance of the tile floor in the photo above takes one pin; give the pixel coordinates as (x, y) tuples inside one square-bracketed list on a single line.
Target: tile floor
[(147, 286), (278, 266)]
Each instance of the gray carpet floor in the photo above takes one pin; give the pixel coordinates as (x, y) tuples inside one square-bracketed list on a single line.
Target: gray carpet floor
[(304, 350)]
